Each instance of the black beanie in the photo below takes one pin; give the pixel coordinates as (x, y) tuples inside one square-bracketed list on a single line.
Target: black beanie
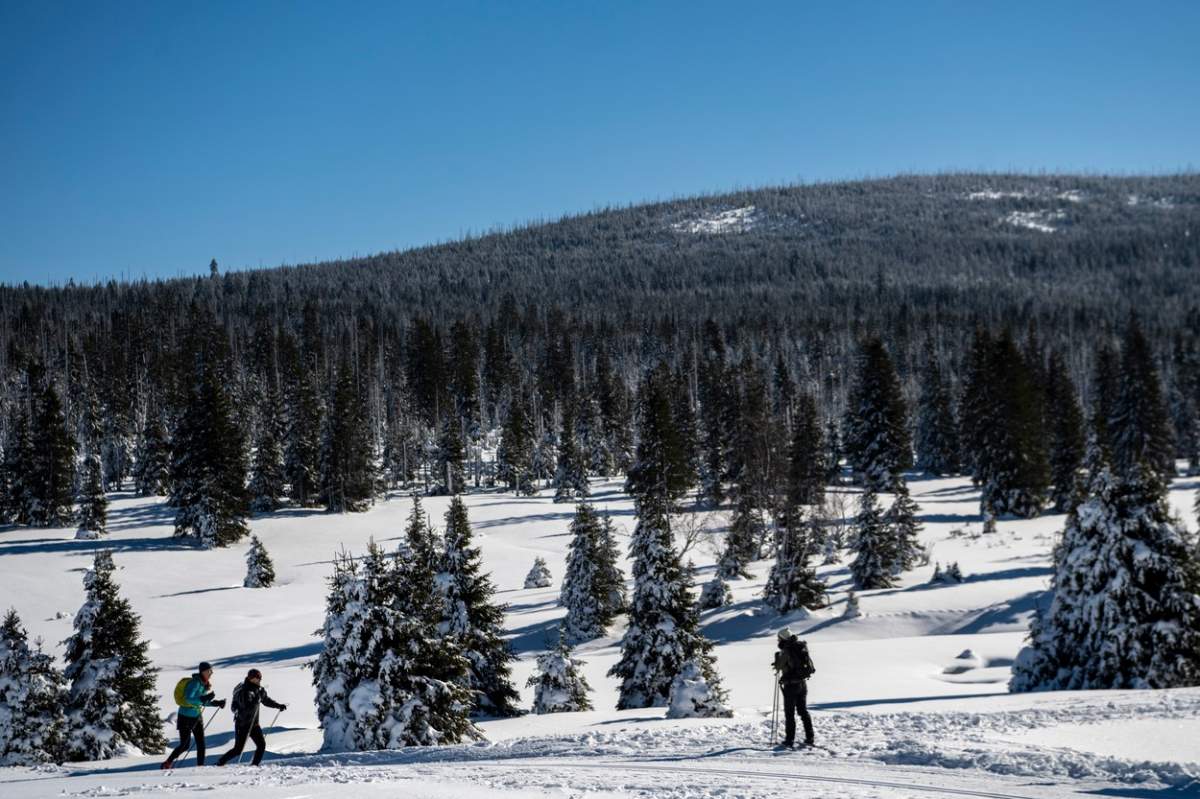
[(254, 673), (205, 666)]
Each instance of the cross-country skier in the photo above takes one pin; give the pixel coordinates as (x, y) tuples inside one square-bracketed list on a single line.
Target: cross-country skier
[(196, 695), (793, 667), (246, 700)]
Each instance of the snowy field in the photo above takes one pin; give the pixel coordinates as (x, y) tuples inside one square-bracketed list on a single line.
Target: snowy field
[(910, 699)]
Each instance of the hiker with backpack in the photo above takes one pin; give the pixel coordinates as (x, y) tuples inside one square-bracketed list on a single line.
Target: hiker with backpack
[(246, 700), (793, 667), (192, 695)]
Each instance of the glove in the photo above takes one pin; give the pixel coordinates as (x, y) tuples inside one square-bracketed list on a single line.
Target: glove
[(220, 703), (282, 708)]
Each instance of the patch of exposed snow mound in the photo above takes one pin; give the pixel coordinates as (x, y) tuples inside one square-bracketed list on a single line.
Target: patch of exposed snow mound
[(1035, 220), (734, 220), (992, 194)]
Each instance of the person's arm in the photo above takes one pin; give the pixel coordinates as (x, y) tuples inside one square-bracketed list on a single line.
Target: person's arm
[(197, 694), (269, 702)]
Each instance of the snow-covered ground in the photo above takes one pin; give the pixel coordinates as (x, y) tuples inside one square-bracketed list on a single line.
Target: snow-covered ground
[(910, 698)]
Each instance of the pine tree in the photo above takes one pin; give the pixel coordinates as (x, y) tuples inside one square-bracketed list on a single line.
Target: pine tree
[(852, 610), (267, 473), (937, 430), (757, 470), (471, 617), (610, 580), (301, 462), (515, 455), (696, 692), (582, 593), (663, 631), (53, 464), (260, 571), (874, 563), (539, 576), (93, 505), (32, 695), (715, 593), (833, 451), (1139, 423), (558, 681), (976, 410), (347, 451), (152, 463), (1065, 420), (878, 443), (747, 530), (208, 467), (112, 701), (662, 461), (18, 468), (570, 479), (901, 522), (1125, 596), (793, 583), (450, 476), (807, 467)]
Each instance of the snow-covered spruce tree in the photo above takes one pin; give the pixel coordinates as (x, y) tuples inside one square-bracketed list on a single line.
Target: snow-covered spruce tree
[(901, 521), (515, 454), (112, 701), (793, 583), (696, 693), (877, 441), (807, 469), (1140, 423), (93, 505), (347, 455), (384, 679), (610, 580), (267, 473), (660, 431), (1125, 596), (664, 630), (1065, 420), (301, 455), (539, 576), (471, 617), (833, 451), (32, 696), (152, 461), (18, 468), (260, 571), (570, 479), (852, 610), (597, 453), (952, 574), (52, 479), (208, 467), (715, 414), (715, 593), (449, 476), (747, 529), (593, 588), (937, 430), (874, 546), (558, 682)]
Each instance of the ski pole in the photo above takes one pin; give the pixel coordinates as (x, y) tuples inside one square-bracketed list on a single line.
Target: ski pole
[(272, 724), (249, 729), (775, 713)]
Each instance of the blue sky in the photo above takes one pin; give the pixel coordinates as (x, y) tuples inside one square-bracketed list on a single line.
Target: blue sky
[(142, 139)]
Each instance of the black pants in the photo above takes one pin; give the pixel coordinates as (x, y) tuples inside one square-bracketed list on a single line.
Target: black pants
[(241, 731), (795, 699), (189, 726)]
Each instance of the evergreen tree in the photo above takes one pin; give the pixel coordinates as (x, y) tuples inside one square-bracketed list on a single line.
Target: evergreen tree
[(596, 450), (32, 695), (609, 580), (901, 522), (260, 571), (570, 480), (833, 451), (515, 455), (1139, 423), (715, 593), (662, 462), (1066, 428), (152, 463), (714, 413), (450, 476), (18, 499), (539, 576), (747, 529), (347, 451), (583, 593), (1125, 596), (852, 610), (53, 464), (558, 681), (112, 701), (757, 469), (471, 618), (208, 467), (976, 410), (93, 505), (793, 583), (878, 443), (874, 545), (807, 467), (267, 474), (301, 462), (696, 692), (937, 430)]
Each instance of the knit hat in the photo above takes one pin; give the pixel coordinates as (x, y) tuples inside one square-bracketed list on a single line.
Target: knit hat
[(254, 673), (786, 634), (204, 666)]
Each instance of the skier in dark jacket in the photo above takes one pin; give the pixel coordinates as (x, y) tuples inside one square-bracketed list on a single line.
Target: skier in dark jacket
[(246, 700), (793, 667), (189, 720)]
